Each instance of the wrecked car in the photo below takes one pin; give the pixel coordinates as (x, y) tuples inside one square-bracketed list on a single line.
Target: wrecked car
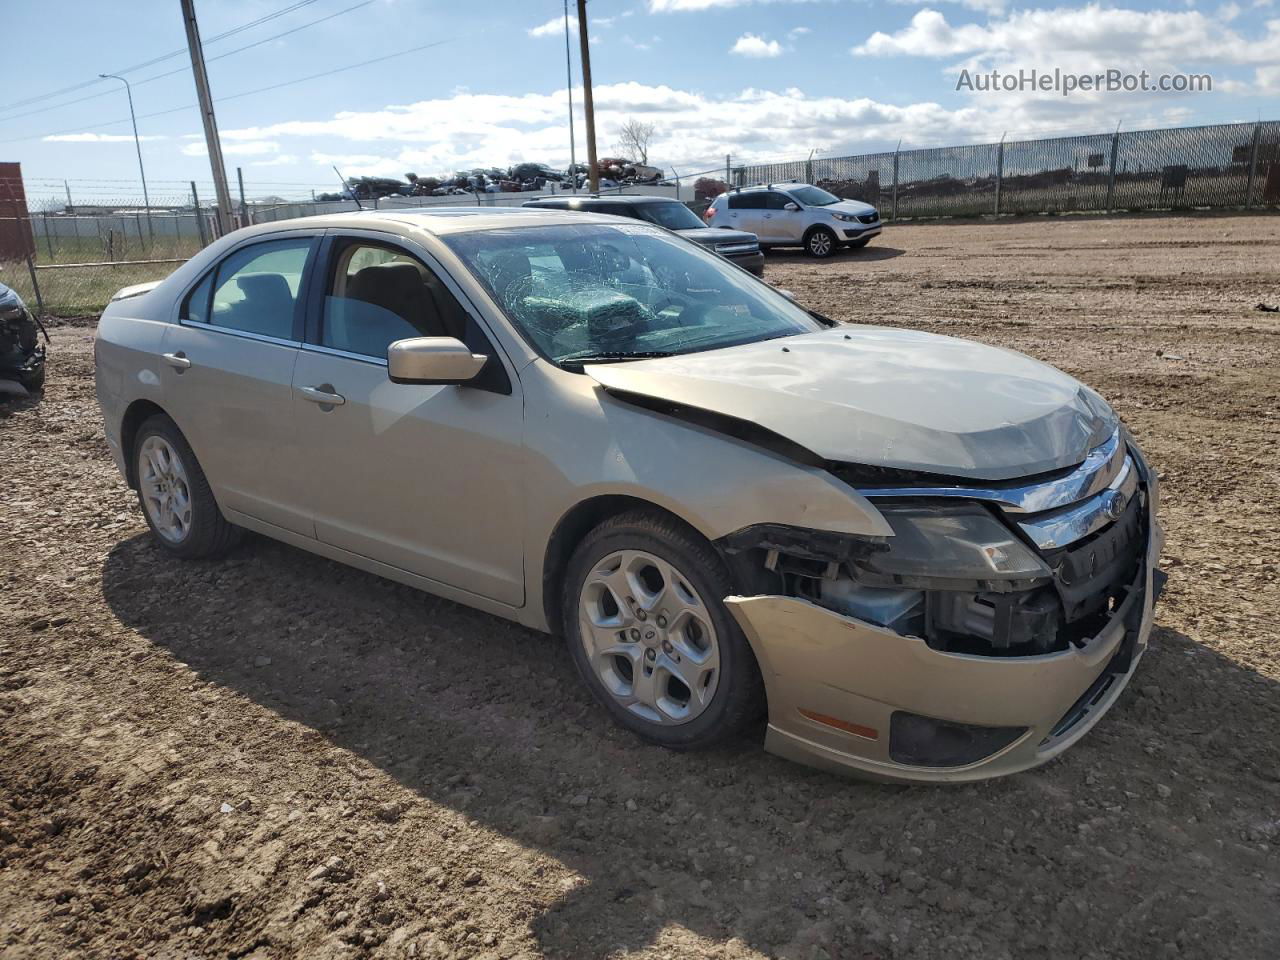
[(920, 557), (22, 355)]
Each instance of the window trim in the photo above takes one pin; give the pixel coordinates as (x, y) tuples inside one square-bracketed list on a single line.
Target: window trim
[(299, 304)]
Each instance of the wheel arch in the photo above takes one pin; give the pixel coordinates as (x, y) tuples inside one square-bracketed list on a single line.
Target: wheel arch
[(580, 520), (135, 416), (814, 228)]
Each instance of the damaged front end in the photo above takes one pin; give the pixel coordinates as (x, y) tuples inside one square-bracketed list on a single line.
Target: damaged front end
[(986, 635), (22, 355)]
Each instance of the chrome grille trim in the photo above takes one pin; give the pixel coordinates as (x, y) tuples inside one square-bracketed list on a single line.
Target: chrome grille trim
[(1100, 467), (1066, 525)]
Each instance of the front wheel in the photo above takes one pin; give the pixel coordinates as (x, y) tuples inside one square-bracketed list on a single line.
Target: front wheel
[(820, 243), (648, 631), (174, 493)]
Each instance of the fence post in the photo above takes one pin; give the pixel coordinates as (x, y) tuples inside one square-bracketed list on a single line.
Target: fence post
[(727, 180), (894, 215), (35, 285), (244, 207), (1253, 166), (999, 171), (48, 240), (1111, 178), (195, 202)]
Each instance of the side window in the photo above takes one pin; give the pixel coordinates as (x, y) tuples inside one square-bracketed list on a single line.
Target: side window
[(744, 201), (377, 295), (196, 307), (255, 289), (776, 201)]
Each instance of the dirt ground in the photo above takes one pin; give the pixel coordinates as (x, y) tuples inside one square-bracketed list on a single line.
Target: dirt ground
[(275, 756)]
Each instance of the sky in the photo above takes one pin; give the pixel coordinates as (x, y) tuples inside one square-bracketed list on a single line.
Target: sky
[(455, 86)]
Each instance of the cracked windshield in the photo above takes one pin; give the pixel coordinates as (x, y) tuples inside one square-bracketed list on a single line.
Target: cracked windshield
[(602, 292)]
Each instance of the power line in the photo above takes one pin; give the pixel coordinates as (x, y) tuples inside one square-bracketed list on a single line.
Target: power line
[(170, 73), (154, 60), (234, 96)]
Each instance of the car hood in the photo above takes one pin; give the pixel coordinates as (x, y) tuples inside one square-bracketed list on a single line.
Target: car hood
[(885, 397), (854, 207), (710, 236)]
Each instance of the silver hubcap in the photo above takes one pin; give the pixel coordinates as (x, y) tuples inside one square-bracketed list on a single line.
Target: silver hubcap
[(820, 244), (165, 494), (649, 637)]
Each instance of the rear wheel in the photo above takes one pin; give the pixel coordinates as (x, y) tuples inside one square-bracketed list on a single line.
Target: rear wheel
[(820, 243), (174, 493), (650, 635)]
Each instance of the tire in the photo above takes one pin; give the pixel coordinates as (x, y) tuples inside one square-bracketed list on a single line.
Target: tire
[(34, 381), (855, 244), (732, 694), (204, 532), (820, 243)]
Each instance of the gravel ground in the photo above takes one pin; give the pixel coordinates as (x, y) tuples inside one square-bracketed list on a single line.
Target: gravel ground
[(274, 756)]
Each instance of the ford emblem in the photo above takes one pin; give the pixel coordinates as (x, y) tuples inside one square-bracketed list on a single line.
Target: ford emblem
[(1113, 504)]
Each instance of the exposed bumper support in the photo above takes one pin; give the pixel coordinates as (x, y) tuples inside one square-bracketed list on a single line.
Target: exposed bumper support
[(834, 683)]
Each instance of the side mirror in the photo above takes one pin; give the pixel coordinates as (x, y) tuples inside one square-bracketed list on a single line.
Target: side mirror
[(793, 207), (432, 360)]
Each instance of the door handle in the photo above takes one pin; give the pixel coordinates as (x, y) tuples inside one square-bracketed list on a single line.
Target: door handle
[(323, 395), (177, 360)]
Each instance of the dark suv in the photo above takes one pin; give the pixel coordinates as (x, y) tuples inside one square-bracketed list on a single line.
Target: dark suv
[(736, 246)]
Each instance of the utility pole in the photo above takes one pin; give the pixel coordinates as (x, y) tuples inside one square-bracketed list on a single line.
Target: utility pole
[(214, 145), (568, 71), (587, 106), (138, 145)]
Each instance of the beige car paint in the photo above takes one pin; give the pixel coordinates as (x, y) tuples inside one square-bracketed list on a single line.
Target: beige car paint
[(510, 469)]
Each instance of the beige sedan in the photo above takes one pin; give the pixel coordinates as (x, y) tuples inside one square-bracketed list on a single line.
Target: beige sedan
[(919, 557)]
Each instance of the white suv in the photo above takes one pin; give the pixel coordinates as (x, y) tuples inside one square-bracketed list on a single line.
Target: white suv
[(796, 215)]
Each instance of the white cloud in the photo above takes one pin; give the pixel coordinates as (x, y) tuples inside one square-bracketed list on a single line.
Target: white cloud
[(795, 32), (244, 148), (1268, 79), (694, 130), (751, 45), (1079, 39), (984, 6), (96, 138), (554, 27), (281, 160)]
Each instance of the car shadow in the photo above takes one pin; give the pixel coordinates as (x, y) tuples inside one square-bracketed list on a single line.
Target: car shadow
[(869, 253), (488, 718)]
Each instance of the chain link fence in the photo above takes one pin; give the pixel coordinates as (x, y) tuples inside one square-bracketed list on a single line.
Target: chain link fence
[(69, 258), (1227, 165)]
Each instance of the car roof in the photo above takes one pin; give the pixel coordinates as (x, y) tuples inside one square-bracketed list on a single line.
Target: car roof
[(437, 221)]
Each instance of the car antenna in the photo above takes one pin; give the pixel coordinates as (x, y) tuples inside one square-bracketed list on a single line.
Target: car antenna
[(343, 180)]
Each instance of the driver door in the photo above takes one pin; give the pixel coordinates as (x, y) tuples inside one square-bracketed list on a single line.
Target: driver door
[(423, 478)]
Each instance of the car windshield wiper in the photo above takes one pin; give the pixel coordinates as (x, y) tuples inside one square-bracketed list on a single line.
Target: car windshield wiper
[(614, 356)]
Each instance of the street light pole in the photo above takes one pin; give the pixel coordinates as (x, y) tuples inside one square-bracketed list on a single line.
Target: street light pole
[(138, 144)]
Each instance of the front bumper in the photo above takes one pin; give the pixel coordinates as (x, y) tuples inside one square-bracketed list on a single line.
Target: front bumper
[(853, 232), (751, 262), (834, 684)]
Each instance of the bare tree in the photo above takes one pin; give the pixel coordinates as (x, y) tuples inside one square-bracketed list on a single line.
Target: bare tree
[(634, 139)]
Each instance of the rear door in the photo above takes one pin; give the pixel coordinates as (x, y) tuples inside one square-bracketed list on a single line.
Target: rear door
[(424, 478), (227, 376), (746, 212)]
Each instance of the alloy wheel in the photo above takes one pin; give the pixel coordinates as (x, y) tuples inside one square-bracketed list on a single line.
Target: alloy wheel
[(649, 637), (166, 494)]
